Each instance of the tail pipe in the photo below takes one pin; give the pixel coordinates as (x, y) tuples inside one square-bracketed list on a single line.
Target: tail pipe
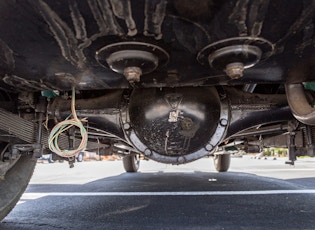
[(300, 107)]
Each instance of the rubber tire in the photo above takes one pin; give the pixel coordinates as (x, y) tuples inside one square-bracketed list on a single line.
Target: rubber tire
[(131, 163), (14, 183), (222, 162), (80, 157)]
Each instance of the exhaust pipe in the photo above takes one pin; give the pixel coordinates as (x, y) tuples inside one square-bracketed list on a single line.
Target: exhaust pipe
[(300, 107)]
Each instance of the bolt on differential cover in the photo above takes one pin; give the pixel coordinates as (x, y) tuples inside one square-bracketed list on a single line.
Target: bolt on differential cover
[(132, 59)]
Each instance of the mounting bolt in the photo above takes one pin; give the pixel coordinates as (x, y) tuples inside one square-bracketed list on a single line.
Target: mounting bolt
[(147, 152), (223, 122), (126, 126), (132, 74), (235, 70), (181, 160), (209, 147)]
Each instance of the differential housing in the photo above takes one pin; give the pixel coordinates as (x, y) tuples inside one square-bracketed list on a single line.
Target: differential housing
[(176, 125)]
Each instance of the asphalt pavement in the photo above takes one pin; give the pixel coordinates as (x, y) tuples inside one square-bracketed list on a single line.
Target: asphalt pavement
[(254, 194)]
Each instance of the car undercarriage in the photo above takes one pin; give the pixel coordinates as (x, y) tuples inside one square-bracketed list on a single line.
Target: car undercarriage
[(169, 80)]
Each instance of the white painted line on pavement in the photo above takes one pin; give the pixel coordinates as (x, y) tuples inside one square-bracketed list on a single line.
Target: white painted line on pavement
[(21, 202), (275, 170), (29, 195)]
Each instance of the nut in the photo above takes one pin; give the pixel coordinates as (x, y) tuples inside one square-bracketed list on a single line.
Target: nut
[(235, 70), (132, 74)]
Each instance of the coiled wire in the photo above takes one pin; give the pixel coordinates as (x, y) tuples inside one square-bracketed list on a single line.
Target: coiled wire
[(64, 126)]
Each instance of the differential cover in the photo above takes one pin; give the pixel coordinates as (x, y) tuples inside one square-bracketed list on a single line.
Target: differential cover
[(176, 125)]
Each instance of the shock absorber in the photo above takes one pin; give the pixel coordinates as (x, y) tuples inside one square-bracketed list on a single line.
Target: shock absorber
[(40, 109), (292, 126), (310, 140)]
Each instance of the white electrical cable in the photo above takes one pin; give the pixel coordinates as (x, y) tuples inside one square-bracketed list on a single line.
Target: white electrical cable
[(65, 125)]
